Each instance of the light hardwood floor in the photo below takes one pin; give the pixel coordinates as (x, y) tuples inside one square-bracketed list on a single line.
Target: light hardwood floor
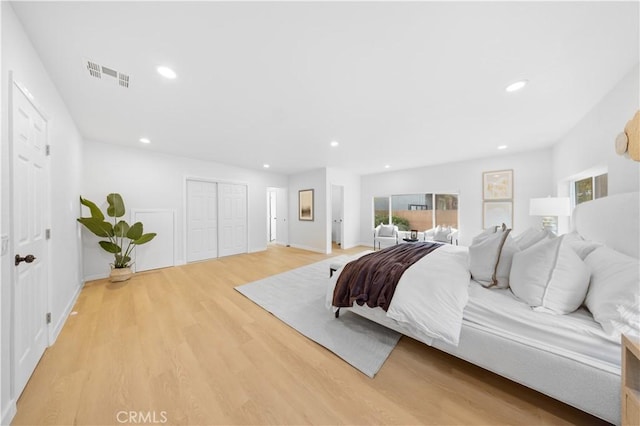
[(181, 344)]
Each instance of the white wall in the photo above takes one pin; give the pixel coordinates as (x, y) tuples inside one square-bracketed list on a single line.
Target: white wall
[(590, 144), (350, 183), (19, 56), (149, 180), (532, 178), (310, 235), (316, 235), (4, 378)]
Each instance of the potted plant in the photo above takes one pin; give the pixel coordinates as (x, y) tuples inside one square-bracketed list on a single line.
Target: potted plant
[(121, 238)]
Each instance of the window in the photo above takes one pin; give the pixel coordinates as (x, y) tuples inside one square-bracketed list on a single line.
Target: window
[(380, 210), (590, 188), (412, 211), (601, 186), (416, 211), (447, 210)]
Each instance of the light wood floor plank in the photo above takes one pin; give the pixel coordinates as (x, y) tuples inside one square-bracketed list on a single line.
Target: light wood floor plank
[(182, 343)]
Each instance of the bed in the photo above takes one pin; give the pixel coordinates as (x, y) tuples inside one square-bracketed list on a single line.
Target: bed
[(569, 357)]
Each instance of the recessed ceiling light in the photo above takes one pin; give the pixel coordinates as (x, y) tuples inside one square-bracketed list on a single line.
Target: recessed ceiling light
[(334, 143), (167, 72), (266, 166), (145, 140), (503, 147), (514, 87), (386, 166)]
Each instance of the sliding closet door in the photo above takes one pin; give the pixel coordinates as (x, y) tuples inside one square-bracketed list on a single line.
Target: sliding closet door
[(232, 212), (202, 220)]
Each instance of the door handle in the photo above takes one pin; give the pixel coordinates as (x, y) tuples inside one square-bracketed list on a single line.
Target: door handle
[(28, 258)]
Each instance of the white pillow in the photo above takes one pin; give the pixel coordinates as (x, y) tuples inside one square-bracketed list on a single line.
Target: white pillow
[(386, 231), (615, 283), (531, 236), (581, 246), (488, 232), (509, 249), (572, 237), (484, 254), (442, 234), (584, 248), (550, 277), (629, 321)]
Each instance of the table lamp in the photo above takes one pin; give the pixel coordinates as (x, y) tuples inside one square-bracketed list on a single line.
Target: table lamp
[(550, 208)]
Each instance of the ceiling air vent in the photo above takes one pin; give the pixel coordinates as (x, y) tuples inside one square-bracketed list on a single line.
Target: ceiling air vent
[(109, 71), (94, 69), (124, 80), (107, 74)]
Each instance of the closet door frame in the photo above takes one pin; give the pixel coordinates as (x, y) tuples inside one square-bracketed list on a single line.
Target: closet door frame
[(185, 221)]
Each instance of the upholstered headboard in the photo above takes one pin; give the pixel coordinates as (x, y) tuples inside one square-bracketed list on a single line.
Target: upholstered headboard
[(613, 220)]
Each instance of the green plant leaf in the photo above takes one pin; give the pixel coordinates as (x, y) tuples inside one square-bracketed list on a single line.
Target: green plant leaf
[(121, 229), (110, 247), (122, 261), (145, 238), (96, 213), (98, 226), (116, 205), (135, 231)]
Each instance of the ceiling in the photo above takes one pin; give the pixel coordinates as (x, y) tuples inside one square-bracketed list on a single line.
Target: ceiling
[(398, 84)]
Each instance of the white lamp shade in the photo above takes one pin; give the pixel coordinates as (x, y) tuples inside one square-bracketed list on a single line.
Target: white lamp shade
[(558, 206)]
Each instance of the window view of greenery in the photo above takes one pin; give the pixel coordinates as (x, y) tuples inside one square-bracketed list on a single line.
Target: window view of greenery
[(584, 190), (591, 188), (416, 211), (380, 210)]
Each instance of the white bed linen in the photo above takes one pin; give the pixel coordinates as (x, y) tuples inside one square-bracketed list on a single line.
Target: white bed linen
[(575, 336), (431, 295)]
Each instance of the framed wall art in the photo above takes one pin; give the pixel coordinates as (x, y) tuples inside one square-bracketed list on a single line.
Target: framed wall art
[(495, 213), (497, 185), (305, 204)]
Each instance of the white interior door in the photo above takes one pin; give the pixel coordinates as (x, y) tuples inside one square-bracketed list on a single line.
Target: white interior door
[(202, 220), (233, 218), (30, 183), (282, 215)]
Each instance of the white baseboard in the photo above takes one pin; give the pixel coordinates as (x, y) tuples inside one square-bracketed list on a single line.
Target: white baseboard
[(9, 413), (95, 277), (350, 246), (314, 249), (55, 332)]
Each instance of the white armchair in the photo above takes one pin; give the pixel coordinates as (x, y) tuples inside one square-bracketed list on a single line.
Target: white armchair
[(442, 234), (385, 235)]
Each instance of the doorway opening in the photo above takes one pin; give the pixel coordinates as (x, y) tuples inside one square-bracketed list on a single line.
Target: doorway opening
[(272, 210), (337, 213)]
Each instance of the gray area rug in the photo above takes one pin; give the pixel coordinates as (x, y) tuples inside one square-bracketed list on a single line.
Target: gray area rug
[(297, 297)]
